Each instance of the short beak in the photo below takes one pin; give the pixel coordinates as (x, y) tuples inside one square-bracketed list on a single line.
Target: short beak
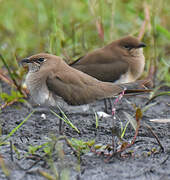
[(141, 45), (24, 61)]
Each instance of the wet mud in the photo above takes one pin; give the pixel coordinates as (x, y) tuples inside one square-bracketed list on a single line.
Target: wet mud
[(142, 161)]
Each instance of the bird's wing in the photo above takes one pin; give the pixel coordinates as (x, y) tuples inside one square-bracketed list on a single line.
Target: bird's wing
[(102, 66), (77, 88)]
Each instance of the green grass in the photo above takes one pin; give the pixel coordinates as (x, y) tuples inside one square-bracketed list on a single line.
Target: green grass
[(69, 28), (3, 141), (65, 119)]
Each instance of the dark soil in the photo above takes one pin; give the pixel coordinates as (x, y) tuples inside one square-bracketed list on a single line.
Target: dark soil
[(142, 161)]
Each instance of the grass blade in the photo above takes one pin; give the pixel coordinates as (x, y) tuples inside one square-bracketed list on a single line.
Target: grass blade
[(97, 119), (166, 93), (65, 119), (131, 120), (124, 130), (16, 128)]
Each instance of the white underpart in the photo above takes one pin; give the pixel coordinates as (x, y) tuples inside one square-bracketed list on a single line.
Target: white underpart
[(38, 90), (138, 60), (125, 78)]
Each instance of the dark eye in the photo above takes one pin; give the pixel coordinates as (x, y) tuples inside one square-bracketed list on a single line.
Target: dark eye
[(40, 59), (126, 46)]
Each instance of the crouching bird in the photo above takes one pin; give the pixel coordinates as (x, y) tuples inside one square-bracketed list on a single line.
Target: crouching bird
[(121, 61), (50, 79)]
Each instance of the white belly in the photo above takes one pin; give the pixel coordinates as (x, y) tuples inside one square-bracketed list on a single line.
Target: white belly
[(38, 90), (125, 78)]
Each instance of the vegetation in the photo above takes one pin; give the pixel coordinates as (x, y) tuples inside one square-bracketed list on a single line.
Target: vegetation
[(70, 29)]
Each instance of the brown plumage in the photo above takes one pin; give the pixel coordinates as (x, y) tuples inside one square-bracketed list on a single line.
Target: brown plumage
[(49, 77), (121, 61)]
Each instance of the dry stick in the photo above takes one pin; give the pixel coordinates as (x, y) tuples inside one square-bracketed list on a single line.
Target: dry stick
[(164, 161), (36, 162), (8, 103), (68, 144), (5, 78), (145, 23), (156, 137), (34, 157), (157, 95), (72, 148), (100, 29), (11, 75)]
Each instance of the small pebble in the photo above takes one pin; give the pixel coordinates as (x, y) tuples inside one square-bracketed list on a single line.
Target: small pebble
[(43, 116), (103, 114)]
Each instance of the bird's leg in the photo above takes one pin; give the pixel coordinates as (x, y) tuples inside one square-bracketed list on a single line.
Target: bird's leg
[(105, 106), (108, 105), (60, 116), (60, 123)]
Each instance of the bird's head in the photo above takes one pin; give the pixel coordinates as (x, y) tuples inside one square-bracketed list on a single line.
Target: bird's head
[(37, 61), (130, 46)]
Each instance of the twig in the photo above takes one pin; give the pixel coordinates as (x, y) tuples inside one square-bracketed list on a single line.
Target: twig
[(164, 161), (68, 144), (8, 103), (5, 78), (156, 137), (12, 77), (36, 162), (145, 23), (157, 95), (10, 73), (100, 29)]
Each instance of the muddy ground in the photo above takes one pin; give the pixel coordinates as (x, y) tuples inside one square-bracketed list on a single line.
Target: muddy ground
[(145, 162)]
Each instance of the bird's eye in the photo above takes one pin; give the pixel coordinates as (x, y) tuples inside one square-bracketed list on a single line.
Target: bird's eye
[(40, 59), (126, 47)]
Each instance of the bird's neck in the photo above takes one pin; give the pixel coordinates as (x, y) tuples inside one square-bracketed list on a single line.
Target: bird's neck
[(36, 84), (136, 60), (137, 63)]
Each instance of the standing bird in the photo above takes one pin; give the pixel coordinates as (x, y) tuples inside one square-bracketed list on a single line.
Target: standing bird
[(49, 76), (49, 79), (121, 61)]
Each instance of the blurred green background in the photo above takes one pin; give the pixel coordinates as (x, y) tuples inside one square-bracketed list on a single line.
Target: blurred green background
[(72, 28)]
